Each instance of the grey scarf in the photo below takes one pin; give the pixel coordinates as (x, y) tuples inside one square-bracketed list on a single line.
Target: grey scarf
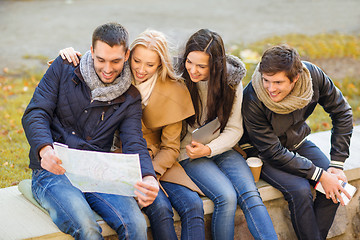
[(99, 90), (298, 98)]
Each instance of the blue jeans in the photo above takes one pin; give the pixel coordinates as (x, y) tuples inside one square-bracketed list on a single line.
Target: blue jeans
[(189, 206), (227, 180), (310, 219), (72, 210)]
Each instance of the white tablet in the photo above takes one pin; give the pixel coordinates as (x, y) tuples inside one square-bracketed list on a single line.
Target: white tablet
[(208, 132)]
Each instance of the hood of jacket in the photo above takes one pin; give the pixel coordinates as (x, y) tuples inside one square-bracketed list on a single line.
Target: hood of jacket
[(236, 70)]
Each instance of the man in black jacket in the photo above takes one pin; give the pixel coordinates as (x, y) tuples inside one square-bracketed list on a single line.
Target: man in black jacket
[(82, 107), (282, 94)]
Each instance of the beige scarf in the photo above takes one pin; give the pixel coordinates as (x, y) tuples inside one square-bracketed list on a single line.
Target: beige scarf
[(298, 98), (145, 88)]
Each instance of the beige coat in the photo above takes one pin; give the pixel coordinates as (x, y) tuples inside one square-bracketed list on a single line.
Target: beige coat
[(169, 104)]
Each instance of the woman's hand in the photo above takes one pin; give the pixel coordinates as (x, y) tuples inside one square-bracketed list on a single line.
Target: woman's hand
[(197, 150), (71, 55)]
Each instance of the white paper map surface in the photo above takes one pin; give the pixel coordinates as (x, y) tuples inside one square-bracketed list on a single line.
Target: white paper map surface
[(91, 171)]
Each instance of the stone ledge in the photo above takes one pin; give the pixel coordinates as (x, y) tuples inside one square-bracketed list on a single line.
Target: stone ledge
[(18, 213), (23, 220)]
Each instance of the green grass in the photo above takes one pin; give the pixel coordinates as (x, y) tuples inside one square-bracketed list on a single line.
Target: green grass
[(41, 58), (312, 47), (16, 89)]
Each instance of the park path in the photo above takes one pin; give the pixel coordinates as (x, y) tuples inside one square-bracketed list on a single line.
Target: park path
[(42, 27)]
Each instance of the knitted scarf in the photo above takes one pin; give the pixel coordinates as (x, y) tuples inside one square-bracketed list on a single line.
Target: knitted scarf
[(146, 88), (298, 98), (101, 91)]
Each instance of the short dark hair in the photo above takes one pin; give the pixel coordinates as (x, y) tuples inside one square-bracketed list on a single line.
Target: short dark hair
[(111, 34), (281, 58)]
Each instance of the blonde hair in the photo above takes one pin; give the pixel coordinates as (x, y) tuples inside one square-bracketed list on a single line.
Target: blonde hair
[(156, 41)]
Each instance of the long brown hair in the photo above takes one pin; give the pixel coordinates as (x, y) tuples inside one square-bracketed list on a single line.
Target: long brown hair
[(220, 96)]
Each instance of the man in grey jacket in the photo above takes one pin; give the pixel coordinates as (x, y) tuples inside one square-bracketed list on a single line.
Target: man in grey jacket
[(282, 94)]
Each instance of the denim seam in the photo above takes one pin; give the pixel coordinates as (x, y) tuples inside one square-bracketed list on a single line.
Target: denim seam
[(183, 203), (114, 210), (243, 201), (57, 203), (216, 209), (211, 196), (291, 199)]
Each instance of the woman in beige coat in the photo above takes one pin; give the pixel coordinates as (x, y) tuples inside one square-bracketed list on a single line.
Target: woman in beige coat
[(166, 103)]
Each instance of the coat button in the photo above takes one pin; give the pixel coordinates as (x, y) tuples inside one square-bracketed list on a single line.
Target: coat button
[(73, 133), (85, 111)]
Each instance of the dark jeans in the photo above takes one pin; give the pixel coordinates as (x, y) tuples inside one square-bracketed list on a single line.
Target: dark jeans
[(311, 219), (189, 206)]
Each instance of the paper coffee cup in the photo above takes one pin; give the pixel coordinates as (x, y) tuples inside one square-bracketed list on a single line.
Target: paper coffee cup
[(255, 165)]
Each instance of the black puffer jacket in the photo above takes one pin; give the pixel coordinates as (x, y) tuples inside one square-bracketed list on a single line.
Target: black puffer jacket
[(62, 110), (276, 135)]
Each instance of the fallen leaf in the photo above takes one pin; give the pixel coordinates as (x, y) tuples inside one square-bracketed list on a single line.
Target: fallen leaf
[(4, 132), (351, 85), (20, 131), (14, 183)]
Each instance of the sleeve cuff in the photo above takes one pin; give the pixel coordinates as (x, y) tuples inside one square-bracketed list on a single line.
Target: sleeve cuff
[(337, 164), (40, 147), (317, 174)]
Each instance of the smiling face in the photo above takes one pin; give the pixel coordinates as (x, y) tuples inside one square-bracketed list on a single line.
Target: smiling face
[(197, 65), (108, 61), (144, 63), (278, 86)]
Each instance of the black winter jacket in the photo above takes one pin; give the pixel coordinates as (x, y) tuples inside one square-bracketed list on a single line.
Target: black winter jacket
[(62, 110), (276, 135)]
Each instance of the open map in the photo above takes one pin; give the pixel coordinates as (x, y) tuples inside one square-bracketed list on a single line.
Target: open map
[(91, 171)]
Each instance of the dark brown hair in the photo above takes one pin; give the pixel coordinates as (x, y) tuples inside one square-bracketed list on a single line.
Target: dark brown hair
[(111, 34), (281, 58), (220, 96)]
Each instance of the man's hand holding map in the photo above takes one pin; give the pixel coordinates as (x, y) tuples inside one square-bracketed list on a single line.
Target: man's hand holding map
[(91, 171)]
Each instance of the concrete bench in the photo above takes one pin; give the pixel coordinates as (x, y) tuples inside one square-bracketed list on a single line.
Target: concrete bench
[(21, 219)]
